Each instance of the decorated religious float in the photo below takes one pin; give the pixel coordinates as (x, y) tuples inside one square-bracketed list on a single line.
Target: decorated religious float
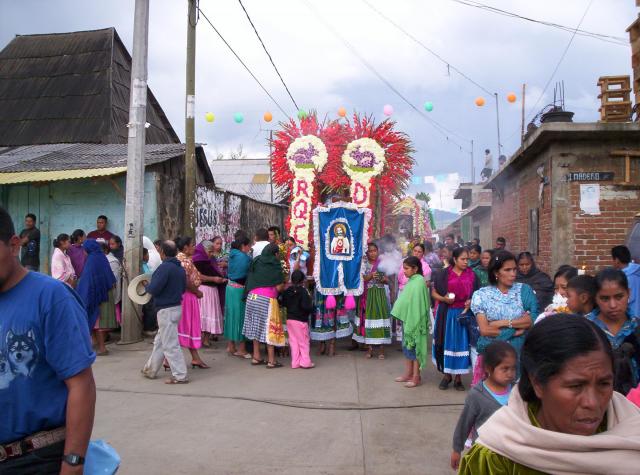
[(409, 220), (342, 176)]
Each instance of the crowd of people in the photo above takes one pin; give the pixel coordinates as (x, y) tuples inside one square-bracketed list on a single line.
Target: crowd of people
[(543, 353)]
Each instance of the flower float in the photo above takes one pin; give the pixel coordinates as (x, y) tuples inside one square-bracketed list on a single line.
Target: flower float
[(362, 160)]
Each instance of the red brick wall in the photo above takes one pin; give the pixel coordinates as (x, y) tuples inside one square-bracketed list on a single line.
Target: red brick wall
[(594, 236), (510, 216)]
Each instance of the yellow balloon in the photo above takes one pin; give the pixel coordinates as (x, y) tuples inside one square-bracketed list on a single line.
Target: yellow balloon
[(480, 101), (210, 117), (268, 117)]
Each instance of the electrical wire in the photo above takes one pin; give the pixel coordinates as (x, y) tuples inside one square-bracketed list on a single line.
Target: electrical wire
[(425, 47), (436, 125), (242, 62), (269, 55), (314, 406), (555, 70), (599, 36)]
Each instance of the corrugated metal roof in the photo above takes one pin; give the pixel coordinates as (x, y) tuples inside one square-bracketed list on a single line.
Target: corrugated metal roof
[(34, 159), (250, 177), (71, 88), (29, 177)]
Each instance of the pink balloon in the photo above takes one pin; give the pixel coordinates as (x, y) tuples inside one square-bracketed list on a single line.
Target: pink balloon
[(388, 109)]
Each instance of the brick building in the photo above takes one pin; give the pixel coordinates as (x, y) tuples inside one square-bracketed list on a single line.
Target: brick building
[(570, 193)]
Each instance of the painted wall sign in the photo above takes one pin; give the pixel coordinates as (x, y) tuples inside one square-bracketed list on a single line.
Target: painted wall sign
[(589, 176)]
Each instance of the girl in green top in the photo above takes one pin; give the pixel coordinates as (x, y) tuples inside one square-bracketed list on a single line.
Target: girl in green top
[(482, 268), (412, 308)]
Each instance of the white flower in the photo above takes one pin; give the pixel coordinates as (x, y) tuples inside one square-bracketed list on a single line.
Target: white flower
[(363, 158), (306, 154)]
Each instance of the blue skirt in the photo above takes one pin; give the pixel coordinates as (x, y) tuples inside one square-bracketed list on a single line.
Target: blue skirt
[(456, 345)]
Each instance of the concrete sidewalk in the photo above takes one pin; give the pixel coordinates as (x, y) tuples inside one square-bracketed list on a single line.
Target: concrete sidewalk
[(346, 416)]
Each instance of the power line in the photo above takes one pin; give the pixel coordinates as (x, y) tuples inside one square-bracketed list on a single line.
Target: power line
[(270, 58), (555, 70), (599, 36), (425, 47), (439, 127), (242, 62)]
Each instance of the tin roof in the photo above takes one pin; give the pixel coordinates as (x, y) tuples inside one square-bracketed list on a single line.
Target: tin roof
[(250, 177)]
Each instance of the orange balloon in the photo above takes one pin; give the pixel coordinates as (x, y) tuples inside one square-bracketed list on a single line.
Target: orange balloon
[(342, 112), (267, 117), (511, 97), (480, 101)]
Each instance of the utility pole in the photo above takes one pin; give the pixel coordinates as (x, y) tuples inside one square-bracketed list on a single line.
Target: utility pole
[(473, 167), (270, 162), (524, 89), (189, 126), (498, 124), (133, 213)]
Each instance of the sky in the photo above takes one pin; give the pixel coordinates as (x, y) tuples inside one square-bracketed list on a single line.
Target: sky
[(323, 74)]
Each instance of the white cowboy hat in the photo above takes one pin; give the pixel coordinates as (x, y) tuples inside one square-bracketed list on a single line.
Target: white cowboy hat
[(136, 290)]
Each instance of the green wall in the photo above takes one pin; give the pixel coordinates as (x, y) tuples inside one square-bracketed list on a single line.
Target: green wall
[(66, 205)]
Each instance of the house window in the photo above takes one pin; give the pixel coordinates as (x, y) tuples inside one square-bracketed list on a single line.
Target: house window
[(534, 231)]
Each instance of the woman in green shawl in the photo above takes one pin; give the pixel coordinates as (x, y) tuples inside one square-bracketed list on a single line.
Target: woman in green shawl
[(262, 322), (412, 308)]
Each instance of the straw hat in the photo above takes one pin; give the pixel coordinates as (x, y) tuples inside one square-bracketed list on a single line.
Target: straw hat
[(136, 290)]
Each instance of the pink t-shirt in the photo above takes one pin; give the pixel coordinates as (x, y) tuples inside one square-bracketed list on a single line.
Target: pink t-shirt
[(270, 292), (61, 267)]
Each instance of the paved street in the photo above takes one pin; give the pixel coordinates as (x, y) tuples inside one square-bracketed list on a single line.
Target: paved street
[(346, 416)]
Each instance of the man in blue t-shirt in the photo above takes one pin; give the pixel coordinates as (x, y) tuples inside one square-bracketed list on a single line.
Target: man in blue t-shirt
[(47, 391)]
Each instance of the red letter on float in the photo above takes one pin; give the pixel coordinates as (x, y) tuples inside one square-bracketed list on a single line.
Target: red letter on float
[(360, 193), (295, 233), (302, 187), (300, 208)]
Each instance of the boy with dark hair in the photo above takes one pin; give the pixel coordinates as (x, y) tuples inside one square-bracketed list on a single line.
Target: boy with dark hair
[(581, 294), (30, 241), (274, 235), (101, 231), (622, 261), (261, 241), (501, 244)]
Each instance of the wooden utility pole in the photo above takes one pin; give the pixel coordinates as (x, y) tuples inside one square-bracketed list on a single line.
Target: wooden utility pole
[(189, 126), (133, 214), (524, 90), (473, 167), (498, 124)]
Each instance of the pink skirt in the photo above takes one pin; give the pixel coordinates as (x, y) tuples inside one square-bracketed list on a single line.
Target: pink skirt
[(211, 316), (189, 333)]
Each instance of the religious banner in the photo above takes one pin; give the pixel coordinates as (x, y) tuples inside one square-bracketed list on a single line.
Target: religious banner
[(305, 156), (341, 231)]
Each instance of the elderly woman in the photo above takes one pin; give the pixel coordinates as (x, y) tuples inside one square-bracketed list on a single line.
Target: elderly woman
[(211, 313), (541, 283), (563, 417)]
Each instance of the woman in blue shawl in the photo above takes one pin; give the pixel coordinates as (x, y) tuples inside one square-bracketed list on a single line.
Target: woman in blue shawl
[(96, 280)]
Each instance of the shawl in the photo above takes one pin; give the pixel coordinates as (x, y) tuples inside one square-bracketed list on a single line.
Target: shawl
[(154, 257), (412, 308), (541, 284), (200, 254), (265, 270), (510, 433), (78, 257), (426, 273), (96, 281), (193, 276), (238, 265)]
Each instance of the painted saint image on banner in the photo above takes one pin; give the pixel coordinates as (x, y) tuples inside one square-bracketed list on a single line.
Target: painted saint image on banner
[(340, 244)]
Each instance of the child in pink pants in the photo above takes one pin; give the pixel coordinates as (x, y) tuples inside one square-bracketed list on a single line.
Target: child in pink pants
[(298, 303)]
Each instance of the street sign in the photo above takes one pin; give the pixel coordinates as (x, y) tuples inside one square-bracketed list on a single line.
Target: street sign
[(589, 176)]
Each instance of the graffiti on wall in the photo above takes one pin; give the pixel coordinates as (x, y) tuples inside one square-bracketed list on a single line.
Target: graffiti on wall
[(217, 214)]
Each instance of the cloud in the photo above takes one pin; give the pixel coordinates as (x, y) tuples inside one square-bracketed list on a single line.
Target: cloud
[(499, 53)]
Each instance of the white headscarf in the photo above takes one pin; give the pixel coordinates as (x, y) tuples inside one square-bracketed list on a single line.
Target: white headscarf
[(154, 257)]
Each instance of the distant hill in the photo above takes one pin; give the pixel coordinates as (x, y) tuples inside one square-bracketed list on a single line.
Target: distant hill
[(444, 218)]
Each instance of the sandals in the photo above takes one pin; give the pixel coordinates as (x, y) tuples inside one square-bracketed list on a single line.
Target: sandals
[(444, 384), (275, 364), (402, 379), (313, 365), (458, 386), (413, 383), (381, 356), (255, 362), (245, 356), (176, 381)]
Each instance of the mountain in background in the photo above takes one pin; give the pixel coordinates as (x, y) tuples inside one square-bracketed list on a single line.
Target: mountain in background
[(444, 218)]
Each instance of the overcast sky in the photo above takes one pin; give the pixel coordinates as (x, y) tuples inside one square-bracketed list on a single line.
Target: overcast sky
[(497, 52)]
